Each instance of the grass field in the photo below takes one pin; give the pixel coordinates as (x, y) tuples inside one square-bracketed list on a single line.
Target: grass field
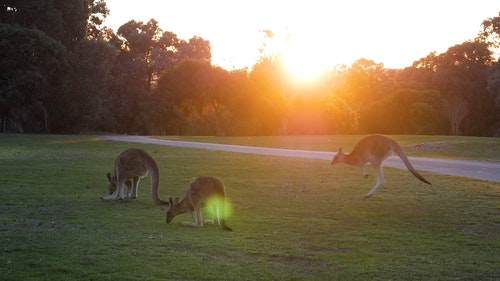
[(293, 219)]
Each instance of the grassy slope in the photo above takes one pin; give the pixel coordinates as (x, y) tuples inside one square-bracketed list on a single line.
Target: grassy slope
[(294, 219)]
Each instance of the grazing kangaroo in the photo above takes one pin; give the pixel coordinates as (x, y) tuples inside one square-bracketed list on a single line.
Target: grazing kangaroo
[(133, 164), (374, 149), (201, 192)]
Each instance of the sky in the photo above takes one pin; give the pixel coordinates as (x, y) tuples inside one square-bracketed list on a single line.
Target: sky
[(315, 34)]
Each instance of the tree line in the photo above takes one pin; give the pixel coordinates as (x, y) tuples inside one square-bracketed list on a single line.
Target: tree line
[(63, 72)]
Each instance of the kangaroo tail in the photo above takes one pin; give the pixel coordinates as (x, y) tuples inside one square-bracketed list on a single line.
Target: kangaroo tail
[(155, 183), (399, 151), (224, 226)]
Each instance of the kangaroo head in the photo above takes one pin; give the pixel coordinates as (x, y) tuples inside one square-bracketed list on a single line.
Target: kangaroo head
[(173, 209), (111, 183), (338, 158)]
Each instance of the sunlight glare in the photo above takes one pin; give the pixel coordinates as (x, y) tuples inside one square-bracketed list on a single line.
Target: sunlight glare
[(306, 61)]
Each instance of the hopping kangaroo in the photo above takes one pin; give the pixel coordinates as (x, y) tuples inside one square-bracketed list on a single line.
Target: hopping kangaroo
[(133, 164), (374, 149), (201, 192)]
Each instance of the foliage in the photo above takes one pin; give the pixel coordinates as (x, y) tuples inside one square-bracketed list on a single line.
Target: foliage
[(462, 77), (85, 85), (494, 83), (202, 93), (491, 32), (145, 51), (293, 219), (47, 48), (65, 21), (30, 67)]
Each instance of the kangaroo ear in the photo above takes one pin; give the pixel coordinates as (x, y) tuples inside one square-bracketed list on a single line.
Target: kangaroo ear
[(108, 175), (171, 201), (176, 200), (340, 149)]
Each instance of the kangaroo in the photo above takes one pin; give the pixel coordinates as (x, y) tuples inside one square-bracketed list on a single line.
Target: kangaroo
[(201, 192), (374, 149), (133, 164)]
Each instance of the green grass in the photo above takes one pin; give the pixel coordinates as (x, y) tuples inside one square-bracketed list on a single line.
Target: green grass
[(293, 219), (475, 148)]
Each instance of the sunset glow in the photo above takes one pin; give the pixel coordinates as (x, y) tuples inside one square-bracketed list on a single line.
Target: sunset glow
[(305, 63), (323, 33)]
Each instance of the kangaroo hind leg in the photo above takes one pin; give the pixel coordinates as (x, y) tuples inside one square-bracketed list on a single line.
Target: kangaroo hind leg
[(132, 194), (363, 172), (380, 180), (214, 215)]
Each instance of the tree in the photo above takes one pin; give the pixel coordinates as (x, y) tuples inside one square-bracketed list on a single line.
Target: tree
[(424, 119), (158, 50), (30, 73), (187, 85), (196, 48), (272, 98), (65, 77), (145, 52), (66, 21), (493, 83), (460, 74), (462, 71), (491, 36), (78, 105), (207, 97), (491, 32), (455, 109), (354, 90), (98, 11), (141, 39)]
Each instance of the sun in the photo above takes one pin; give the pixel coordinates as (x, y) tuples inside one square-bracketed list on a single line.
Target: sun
[(305, 61)]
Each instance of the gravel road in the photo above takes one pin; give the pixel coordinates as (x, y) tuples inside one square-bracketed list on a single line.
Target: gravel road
[(472, 169)]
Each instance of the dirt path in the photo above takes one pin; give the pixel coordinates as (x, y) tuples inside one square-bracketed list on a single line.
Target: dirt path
[(466, 168)]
